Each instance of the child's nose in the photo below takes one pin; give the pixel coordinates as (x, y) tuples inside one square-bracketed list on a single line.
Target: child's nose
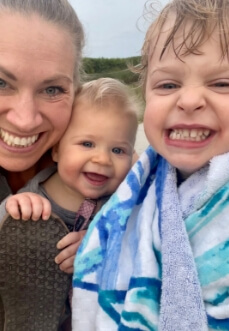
[(191, 99), (102, 157)]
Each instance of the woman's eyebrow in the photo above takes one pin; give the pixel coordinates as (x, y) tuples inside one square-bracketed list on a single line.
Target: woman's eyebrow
[(56, 78), (46, 81), (7, 73)]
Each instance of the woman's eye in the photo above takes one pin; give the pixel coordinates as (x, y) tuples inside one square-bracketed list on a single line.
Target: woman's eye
[(117, 150), (54, 90), (2, 84), (87, 144)]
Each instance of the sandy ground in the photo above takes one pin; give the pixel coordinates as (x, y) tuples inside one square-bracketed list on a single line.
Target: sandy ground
[(141, 141)]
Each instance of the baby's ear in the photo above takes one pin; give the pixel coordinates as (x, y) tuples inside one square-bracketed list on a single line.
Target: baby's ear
[(55, 152)]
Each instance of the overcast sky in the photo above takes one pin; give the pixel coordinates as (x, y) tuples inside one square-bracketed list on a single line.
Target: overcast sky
[(113, 28)]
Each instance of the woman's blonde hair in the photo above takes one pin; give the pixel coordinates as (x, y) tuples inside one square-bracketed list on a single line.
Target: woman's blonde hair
[(59, 12)]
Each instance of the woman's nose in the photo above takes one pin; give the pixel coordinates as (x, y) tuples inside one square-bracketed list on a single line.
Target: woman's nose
[(191, 99), (23, 113)]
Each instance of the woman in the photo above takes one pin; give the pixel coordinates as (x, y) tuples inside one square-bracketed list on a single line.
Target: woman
[(40, 54)]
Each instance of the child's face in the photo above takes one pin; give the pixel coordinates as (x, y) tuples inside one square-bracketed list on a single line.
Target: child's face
[(96, 151), (187, 106)]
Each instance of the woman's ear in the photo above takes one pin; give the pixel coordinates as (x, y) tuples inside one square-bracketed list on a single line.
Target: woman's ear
[(55, 152)]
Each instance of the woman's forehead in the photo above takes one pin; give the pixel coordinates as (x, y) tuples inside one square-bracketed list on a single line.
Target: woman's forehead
[(24, 41)]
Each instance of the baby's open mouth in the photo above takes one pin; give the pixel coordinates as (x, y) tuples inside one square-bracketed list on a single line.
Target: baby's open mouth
[(189, 134), (16, 141), (95, 177)]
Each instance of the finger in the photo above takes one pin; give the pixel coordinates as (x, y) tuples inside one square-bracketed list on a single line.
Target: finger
[(13, 208), (67, 265), (47, 209), (70, 238), (67, 252), (37, 209), (40, 206), (69, 270), (25, 207)]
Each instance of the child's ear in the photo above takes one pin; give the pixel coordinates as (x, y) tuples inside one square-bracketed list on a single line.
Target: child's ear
[(55, 152)]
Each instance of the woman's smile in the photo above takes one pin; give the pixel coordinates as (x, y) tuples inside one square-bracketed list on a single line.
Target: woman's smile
[(17, 141)]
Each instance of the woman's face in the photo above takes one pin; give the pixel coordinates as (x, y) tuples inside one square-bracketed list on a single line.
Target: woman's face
[(36, 88)]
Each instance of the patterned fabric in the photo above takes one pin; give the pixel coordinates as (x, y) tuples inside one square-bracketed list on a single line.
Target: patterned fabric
[(156, 257), (84, 214)]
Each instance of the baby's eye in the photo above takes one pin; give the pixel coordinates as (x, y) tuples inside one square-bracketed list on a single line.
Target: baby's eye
[(87, 144), (117, 150)]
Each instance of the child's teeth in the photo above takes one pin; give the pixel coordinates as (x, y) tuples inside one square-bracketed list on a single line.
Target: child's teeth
[(192, 135), (185, 133), (206, 133)]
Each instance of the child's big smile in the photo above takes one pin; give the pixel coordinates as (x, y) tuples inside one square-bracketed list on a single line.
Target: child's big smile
[(187, 104)]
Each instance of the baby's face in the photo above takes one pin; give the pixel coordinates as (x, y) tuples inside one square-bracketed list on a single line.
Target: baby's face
[(187, 105), (96, 151)]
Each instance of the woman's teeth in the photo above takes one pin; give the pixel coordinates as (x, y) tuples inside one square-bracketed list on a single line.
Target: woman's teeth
[(191, 135), (11, 140)]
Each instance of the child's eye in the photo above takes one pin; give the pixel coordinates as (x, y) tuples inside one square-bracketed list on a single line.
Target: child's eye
[(168, 86), (117, 150), (87, 144), (221, 84), (164, 88)]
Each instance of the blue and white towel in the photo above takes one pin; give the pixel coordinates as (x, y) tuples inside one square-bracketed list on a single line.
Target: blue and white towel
[(156, 257)]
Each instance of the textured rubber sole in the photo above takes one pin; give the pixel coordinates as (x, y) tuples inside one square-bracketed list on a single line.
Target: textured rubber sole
[(32, 287)]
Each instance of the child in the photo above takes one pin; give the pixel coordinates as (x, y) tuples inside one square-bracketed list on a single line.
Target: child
[(157, 257), (93, 157)]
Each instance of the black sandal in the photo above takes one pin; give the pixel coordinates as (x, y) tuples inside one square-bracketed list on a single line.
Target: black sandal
[(32, 287)]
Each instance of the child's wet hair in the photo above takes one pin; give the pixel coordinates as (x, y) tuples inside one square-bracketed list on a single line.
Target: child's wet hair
[(197, 19)]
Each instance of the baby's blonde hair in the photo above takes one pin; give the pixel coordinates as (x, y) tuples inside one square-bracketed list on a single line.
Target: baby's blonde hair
[(203, 17), (105, 92)]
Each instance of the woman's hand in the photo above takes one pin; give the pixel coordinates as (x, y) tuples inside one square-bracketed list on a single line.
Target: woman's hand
[(28, 205), (69, 246)]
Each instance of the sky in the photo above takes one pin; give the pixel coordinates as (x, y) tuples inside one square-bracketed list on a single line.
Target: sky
[(113, 28)]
